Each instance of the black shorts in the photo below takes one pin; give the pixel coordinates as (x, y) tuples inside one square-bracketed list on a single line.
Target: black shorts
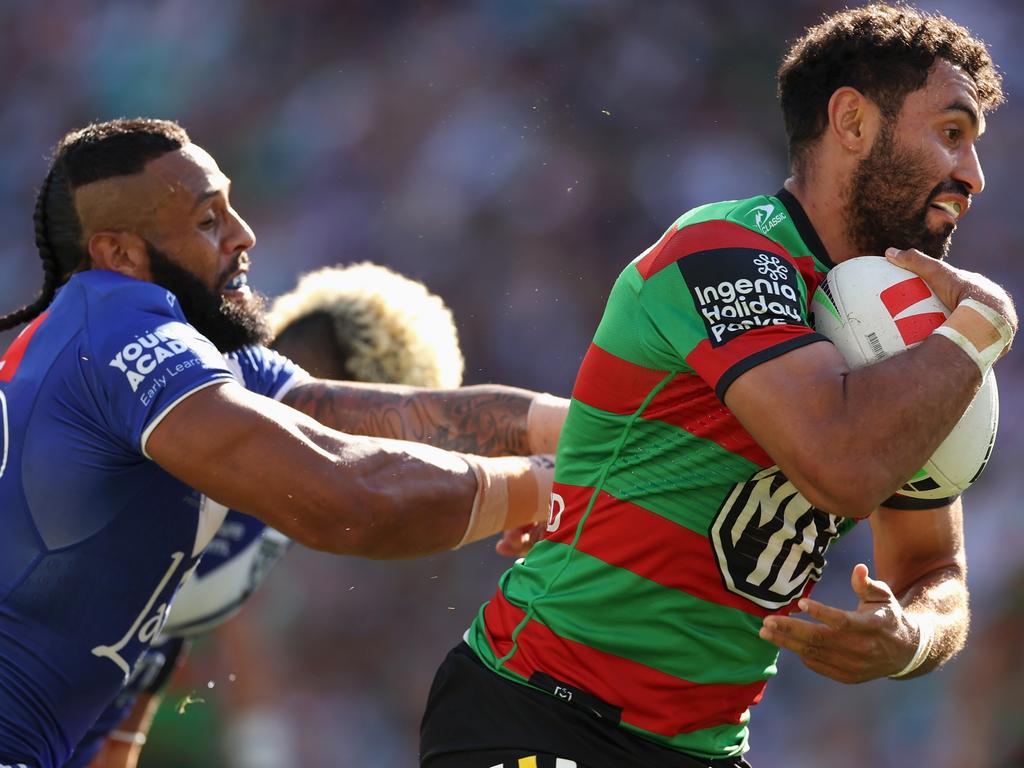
[(478, 719)]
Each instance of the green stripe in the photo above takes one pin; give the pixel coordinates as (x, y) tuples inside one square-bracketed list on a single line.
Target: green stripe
[(653, 324), (675, 633), (662, 468), (823, 298), (586, 513), (627, 331)]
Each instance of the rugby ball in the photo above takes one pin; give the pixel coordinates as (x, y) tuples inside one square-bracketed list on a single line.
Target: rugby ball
[(232, 567), (871, 309)]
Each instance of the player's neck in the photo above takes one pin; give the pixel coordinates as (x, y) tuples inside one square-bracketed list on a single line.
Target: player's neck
[(822, 201)]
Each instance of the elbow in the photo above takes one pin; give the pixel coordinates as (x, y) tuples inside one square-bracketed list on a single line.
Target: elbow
[(843, 487)]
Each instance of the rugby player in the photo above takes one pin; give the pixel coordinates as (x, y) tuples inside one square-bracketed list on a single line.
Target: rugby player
[(127, 431), (716, 445), (363, 322)]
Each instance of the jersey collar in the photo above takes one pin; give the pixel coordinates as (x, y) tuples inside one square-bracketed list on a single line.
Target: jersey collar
[(804, 226)]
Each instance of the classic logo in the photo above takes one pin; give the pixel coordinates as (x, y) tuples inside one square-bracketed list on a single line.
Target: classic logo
[(762, 213), (764, 219), (769, 541), (736, 289)]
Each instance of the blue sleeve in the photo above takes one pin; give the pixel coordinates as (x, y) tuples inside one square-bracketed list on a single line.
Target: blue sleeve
[(148, 359), (265, 372)]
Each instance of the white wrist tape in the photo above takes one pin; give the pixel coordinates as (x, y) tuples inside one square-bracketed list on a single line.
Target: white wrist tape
[(511, 491), (926, 633), (979, 331), (128, 737), (544, 422)]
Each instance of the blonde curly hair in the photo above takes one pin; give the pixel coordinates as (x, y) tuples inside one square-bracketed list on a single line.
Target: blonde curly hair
[(397, 330)]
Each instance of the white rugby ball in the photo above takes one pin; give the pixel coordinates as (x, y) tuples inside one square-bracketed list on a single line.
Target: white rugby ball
[(233, 566), (872, 309)]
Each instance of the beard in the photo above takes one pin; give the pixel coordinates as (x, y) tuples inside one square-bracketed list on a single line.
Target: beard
[(227, 324), (885, 206)]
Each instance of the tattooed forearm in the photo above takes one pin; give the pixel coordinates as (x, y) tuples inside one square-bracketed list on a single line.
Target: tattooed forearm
[(489, 420)]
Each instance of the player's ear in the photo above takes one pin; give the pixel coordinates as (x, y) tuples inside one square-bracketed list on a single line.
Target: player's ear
[(122, 252), (853, 120)]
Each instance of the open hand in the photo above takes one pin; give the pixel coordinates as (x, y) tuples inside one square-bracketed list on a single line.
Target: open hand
[(518, 541), (875, 640)]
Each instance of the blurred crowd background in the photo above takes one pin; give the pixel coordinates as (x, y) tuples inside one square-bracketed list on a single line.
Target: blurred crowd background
[(513, 156)]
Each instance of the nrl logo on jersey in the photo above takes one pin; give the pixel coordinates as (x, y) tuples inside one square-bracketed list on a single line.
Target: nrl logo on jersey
[(766, 219), (137, 359)]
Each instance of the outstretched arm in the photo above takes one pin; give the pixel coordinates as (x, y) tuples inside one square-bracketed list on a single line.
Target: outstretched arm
[(910, 620), (488, 420), (364, 496)]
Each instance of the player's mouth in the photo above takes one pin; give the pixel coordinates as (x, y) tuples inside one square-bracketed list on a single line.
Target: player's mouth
[(951, 209), (236, 288)]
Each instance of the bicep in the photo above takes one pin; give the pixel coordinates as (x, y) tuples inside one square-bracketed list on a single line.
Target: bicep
[(911, 543), (245, 451), (778, 399), (784, 402)]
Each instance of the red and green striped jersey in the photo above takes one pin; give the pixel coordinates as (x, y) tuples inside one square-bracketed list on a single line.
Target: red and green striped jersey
[(672, 533)]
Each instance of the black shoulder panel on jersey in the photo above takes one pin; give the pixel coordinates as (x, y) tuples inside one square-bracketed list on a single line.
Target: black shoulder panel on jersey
[(737, 289)]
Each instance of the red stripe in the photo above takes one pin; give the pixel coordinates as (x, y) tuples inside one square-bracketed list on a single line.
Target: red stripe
[(12, 357), (918, 327), (628, 536), (689, 403), (898, 297), (711, 363), (611, 384), (706, 236), (812, 277), (652, 700), (614, 385)]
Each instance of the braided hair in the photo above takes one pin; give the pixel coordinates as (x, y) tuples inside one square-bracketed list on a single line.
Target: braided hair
[(99, 151)]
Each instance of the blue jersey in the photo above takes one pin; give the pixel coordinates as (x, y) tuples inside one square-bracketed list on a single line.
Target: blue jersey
[(230, 569), (97, 537)]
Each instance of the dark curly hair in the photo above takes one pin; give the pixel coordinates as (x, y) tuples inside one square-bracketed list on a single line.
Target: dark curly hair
[(883, 51), (99, 151)]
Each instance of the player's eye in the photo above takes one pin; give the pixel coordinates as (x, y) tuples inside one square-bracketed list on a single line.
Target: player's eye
[(952, 134), (208, 221)]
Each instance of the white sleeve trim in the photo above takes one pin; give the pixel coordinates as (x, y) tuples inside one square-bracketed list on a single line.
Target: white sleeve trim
[(220, 379), (299, 377)]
